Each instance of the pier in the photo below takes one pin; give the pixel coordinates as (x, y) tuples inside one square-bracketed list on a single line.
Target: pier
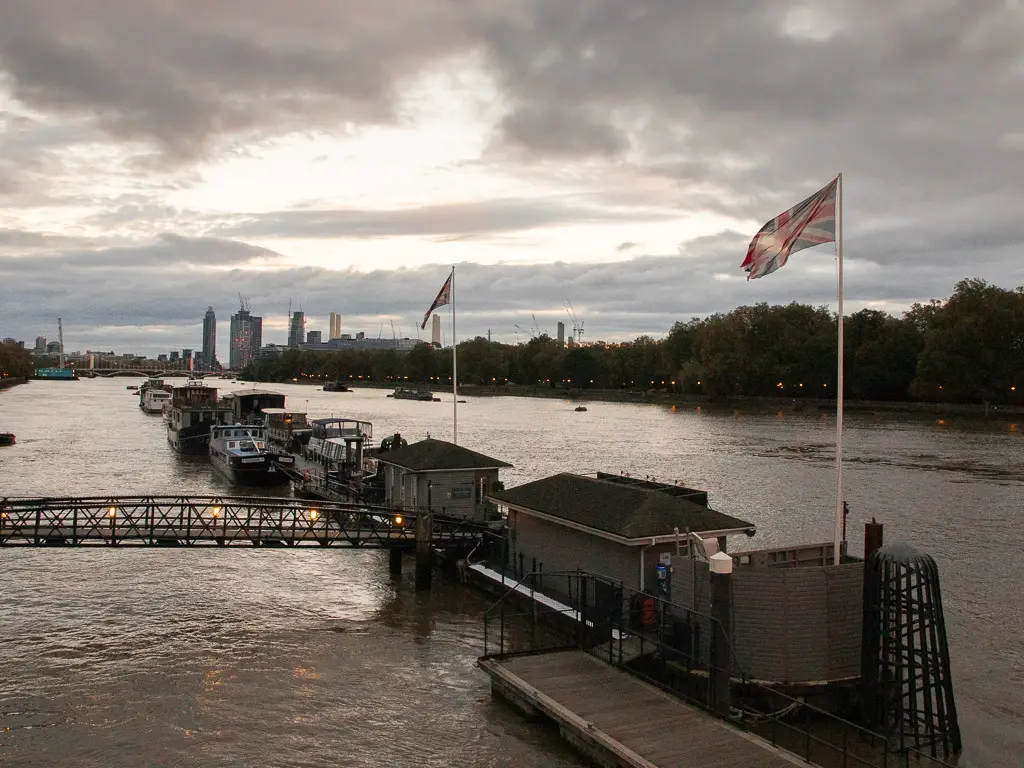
[(631, 679), (619, 720)]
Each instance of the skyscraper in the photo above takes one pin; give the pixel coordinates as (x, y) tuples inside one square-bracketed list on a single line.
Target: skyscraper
[(186, 359), (297, 329), (209, 354), (334, 332), (246, 337), (435, 331), (561, 334)]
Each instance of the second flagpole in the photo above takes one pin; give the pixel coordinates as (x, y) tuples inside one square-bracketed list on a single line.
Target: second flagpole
[(839, 394), (455, 370)]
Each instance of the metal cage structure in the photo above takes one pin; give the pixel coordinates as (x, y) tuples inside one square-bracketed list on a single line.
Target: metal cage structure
[(906, 675)]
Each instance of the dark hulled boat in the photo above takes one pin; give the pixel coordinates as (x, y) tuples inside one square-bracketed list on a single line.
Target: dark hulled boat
[(239, 452)]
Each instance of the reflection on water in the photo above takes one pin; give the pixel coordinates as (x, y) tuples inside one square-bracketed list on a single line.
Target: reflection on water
[(238, 657)]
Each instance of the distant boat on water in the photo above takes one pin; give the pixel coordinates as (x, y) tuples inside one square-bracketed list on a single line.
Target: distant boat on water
[(404, 393), (6, 438)]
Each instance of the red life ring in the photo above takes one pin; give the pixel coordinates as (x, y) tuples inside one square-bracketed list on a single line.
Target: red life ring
[(305, 475)]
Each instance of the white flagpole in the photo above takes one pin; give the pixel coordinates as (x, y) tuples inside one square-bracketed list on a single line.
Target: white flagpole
[(455, 371), (839, 393)]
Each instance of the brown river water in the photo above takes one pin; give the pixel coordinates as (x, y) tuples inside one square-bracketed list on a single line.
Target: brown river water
[(310, 657)]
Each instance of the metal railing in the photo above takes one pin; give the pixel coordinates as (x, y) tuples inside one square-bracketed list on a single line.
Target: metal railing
[(217, 520), (673, 648)]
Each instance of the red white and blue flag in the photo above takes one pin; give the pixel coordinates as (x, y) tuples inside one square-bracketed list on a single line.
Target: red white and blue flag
[(444, 296), (805, 225)]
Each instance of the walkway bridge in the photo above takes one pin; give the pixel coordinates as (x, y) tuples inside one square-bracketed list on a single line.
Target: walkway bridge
[(224, 521)]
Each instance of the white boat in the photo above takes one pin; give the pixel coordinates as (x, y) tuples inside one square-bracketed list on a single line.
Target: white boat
[(239, 452), (154, 400)]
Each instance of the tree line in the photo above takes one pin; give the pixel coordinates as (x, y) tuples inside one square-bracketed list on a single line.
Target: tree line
[(968, 349), (15, 362)]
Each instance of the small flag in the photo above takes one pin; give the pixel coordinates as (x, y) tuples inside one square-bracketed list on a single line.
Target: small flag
[(805, 225), (444, 296)]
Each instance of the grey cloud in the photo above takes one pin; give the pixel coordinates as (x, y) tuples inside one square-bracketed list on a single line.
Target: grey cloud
[(183, 75), (455, 221), (111, 297), (626, 246)]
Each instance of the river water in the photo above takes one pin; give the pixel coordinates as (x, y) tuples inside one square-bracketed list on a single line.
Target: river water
[(310, 657)]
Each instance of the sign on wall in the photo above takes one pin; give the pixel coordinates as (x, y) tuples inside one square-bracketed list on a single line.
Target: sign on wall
[(461, 492)]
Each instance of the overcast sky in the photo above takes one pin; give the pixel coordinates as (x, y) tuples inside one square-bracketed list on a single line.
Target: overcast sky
[(158, 157)]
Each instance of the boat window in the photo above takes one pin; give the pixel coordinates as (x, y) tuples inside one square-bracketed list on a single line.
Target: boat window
[(232, 444)]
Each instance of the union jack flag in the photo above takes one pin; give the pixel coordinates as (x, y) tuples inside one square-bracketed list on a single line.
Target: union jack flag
[(444, 296), (805, 225)]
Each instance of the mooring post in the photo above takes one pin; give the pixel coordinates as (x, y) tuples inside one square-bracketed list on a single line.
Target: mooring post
[(424, 564), (395, 561), (721, 612), (873, 541)]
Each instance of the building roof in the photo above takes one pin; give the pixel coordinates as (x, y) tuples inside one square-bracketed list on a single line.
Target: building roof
[(622, 510), (437, 455)]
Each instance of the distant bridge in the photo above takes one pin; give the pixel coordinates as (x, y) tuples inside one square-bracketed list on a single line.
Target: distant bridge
[(222, 521), (151, 372)]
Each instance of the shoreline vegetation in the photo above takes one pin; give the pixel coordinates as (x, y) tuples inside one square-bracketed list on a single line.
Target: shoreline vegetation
[(966, 353)]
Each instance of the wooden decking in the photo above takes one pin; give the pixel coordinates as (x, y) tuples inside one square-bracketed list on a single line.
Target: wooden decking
[(619, 720)]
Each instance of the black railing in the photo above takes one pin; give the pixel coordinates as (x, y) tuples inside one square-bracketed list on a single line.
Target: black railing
[(679, 650), (218, 520)]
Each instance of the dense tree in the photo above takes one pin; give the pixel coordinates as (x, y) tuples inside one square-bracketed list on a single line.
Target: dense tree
[(15, 361), (969, 348)]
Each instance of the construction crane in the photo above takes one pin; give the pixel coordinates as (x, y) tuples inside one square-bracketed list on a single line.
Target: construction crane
[(531, 334), (243, 302), (536, 327), (394, 336), (577, 322)]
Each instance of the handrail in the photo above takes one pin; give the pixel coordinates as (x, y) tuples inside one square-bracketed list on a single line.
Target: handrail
[(745, 715)]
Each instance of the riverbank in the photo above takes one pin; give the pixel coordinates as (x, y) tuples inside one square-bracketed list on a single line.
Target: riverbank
[(10, 381), (655, 397)]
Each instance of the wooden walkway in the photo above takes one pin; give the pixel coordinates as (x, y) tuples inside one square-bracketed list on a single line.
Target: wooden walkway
[(619, 720)]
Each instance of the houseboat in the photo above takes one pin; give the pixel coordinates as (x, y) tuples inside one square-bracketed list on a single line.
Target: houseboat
[(404, 393), (288, 429), (239, 452), (153, 400), (248, 406), (192, 411), (325, 429), (335, 386)]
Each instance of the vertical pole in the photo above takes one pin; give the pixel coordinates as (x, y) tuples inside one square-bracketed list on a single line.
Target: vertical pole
[(424, 531), (424, 524), (721, 612), (839, 393), (455, 370), (395, 561)]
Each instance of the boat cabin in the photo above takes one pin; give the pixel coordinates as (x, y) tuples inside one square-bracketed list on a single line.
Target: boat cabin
[(287, 428), (249, 405), (446, 478)]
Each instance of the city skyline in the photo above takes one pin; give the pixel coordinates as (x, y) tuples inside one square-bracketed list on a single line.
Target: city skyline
[(154, 160)]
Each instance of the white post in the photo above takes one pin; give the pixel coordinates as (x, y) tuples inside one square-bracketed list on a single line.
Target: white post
[(455, 371), (839, 393)]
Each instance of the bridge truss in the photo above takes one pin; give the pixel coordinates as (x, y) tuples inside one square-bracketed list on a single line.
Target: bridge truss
[(220, 521)]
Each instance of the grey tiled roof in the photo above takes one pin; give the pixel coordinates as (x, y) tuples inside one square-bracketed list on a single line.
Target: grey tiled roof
[(437, 454), (632, 513)]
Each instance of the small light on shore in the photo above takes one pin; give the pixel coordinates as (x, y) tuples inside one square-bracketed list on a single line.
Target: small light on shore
[(112, 512)]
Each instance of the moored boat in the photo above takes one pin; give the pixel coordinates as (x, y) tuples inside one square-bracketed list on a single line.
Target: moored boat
[(288, 429), (192, 411), (404, 393), (239, 452), (335, 386), (6, 438), (153, 400)]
